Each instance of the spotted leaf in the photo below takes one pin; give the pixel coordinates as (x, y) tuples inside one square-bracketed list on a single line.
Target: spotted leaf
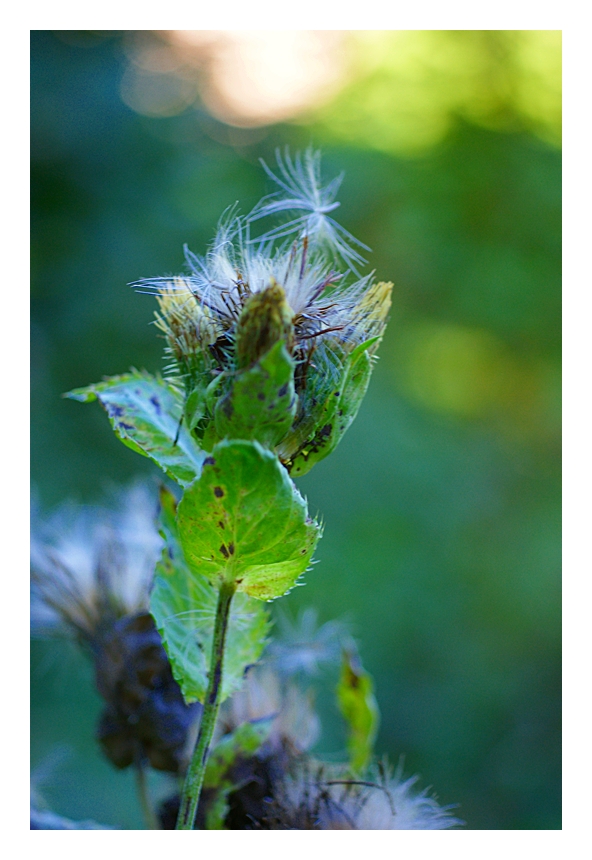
[(145, 412), (325, 422), (183, 603), (245, 522)]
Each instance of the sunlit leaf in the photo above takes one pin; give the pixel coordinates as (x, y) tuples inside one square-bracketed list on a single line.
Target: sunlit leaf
[(355, 696), (145, 412), (183, 604), (244, 521)]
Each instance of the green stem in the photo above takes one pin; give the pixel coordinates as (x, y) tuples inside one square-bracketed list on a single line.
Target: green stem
[(195, 774)]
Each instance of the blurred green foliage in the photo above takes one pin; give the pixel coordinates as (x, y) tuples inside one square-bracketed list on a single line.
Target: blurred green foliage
[(408, 87), (442, 503)]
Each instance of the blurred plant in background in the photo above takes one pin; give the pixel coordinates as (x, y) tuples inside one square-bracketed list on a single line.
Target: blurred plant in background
[(444, 498), (93, 577)]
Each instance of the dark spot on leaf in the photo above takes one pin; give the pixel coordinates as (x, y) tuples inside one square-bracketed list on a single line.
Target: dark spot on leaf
[(156, 403), (340, 413), (224, 551), (125, 426), (260, 395), (171, 556), (231, 548), (221, 524), (115, 411), (326, 430), (218, 492), (336, 393), (209, 461), (283, 390), (238, 582)]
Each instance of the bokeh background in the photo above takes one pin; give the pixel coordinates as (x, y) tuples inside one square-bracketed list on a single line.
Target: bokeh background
[(442, 503)]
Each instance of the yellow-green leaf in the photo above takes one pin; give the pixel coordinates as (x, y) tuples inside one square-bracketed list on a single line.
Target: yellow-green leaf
[(355, 696)]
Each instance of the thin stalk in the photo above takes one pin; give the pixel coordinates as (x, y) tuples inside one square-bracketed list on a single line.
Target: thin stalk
[(150, 818), (195, 774)]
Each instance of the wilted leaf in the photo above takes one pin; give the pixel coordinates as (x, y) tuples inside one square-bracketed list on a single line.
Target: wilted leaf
[(244, 521), (183, 604), (144, 412)]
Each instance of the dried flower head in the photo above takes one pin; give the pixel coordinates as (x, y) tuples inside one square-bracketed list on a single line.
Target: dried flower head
[(92, 565), (265, 695), (92, 570), (296, 284), (321, 797), (303, 646)]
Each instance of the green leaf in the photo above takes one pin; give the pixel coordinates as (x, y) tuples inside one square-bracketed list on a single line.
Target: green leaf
[(243, 742), (183, 604), (245, 522), (261, 403), (194, 408), (145, 412), (327, 425), (355, 695)]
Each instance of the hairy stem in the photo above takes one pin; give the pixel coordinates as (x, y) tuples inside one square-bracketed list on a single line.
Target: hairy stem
[(195, 774)]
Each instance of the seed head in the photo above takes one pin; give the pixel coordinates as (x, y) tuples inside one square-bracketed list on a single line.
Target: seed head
[(92, 565), (325, 797), (92, 570), (297, 283)]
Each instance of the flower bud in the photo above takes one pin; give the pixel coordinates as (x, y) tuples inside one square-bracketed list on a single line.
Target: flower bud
[(265, 319), (188, 326)]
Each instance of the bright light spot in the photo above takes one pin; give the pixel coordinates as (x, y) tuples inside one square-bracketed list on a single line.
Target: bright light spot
[(538, 95), (257, 77), (395, 90)]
